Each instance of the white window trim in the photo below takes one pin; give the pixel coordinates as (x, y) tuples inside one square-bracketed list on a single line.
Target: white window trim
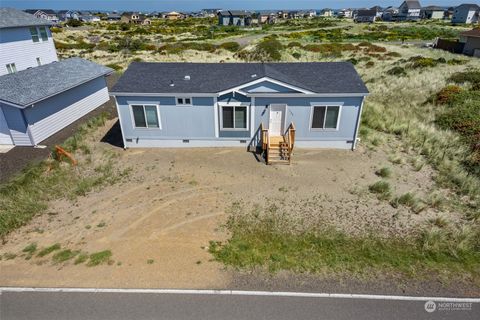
[(325, 118), (183, 104), (37, 34), (11, 68), (234, 105), (130, 106), (40, 34)]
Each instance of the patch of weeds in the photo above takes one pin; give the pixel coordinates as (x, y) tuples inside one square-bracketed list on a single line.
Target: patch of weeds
[(88, 226), (283, 189), (98, 258), (397, 71), (150, 261), (199, 262), (436, 200), (193, 183), (396, 159), (64, 255), (49, 250), (10, 256), (384, 172), (382, 189), (409, 200), (30, 249), (82, 257), (101, 224), (439, 222)]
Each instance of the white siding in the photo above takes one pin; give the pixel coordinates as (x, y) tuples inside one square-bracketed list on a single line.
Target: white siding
[(17, 46), (54, 122), (16, 124), (4, 131)]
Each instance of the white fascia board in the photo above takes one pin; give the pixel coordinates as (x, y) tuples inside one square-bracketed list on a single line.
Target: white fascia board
[(301, 95), (283, 84), (173, 94)]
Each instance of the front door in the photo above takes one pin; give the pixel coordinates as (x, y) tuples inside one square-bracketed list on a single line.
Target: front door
[(277, 119)]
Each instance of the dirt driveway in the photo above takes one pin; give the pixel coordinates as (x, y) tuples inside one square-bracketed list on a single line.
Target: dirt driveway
[(159, 221)]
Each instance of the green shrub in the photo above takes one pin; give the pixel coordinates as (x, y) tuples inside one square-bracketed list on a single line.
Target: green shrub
[(64, 255), (447, 94), (30, 249), (381, 188), (397, 71), (471, 77), (49, 250), (297, 55), (74, 23), (384, 172), (98, 258), (230, 46)]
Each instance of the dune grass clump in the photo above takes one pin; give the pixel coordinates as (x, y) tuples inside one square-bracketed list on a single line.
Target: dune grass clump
[(384, 172), (49, 250), (382, 189)]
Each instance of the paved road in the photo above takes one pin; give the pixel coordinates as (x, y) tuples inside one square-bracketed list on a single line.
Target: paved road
[(71, 305)]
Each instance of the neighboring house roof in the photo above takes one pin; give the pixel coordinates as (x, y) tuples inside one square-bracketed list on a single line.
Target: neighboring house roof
[(433, 8), (468, 6), (367, 13), (47, 11), (29, 86), (413, 4), (234, 13), (318, 77), (13, 18), (472, 33)]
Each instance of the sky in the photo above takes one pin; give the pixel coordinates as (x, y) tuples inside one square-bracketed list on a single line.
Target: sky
[(192, 5)]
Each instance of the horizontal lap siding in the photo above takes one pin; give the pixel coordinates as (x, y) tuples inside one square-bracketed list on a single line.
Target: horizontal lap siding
[(16, 46), (178, 122), (53, 114), (17, 126), (5, 137)]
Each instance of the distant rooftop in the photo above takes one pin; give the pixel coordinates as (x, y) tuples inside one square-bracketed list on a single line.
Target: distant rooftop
[(29, 86), (13, 18)]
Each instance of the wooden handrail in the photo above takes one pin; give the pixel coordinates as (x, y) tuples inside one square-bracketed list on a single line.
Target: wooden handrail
[(290, 139), (265, 141)]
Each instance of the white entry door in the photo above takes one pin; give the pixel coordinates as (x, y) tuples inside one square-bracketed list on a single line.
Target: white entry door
[(4, 131), (277, 119)]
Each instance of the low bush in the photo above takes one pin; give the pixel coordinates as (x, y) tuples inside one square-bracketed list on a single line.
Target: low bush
[(98, 258), (471, 77), (397, 71), (382, 189), (231, 46), (447, 94), (49, 250), (384, 172), (297, 55)]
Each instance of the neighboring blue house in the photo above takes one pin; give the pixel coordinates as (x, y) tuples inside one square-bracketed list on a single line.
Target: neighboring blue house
[(40, 95), (227, 104)]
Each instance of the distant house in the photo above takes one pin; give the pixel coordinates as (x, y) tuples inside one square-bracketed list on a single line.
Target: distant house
[(294, 15), (40, 95), (234, 18), (46, 14), (409, 10), (90, 18), (472, 42), (282, 14), (466, 13), (326, 13), (365, 15), (345, 13), (113, 17), (267, 18), (432, 12), (378, 11), (389, 14), (196, 105), (135, 18), (210, 13), (65, 15), (174, 16)]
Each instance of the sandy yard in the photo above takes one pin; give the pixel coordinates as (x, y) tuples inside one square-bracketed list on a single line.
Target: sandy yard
[(159, 221)]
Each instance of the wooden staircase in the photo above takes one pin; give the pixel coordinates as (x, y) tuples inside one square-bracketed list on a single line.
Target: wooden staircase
[(278, 149)]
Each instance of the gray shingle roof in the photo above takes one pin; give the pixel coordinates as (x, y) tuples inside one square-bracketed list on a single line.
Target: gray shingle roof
[(35, 84), (12, 18), (413, 4), (318, 77)]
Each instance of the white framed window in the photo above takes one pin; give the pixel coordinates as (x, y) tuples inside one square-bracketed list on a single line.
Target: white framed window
[(234, 118), (11, 68), (34, 34), (145, 116), (184, 101), (39, 62), (325, 117)]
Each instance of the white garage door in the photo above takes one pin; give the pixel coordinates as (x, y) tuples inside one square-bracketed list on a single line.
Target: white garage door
[(4, 131), (49, 125)]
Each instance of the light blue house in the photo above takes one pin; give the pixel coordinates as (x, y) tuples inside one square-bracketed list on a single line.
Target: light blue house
[(312, 105), (40, 95)]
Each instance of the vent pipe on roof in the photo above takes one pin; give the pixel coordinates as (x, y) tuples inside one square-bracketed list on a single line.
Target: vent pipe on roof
[(172, 84), (187, 77)]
